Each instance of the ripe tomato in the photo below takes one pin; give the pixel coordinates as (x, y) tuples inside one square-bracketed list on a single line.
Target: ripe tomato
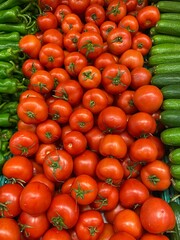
[(9, 229), (116, 78), (58, 165), (9, 200), (116, 10), (35, 198), (156, 175), (130, 23), (63, 212), (47, 21), (24, 143), (128, 221), (30, 66), (140, 76), (79, 6), (71, 21), (59, 75), (157, 216), (48, 5), (160, 146), (125, 102), (107, 232), (112, 145), (54, 233), (122, 235), (142, 43), (95, 13), (106, 27), (67, 184), (19, 168), (52, 35), (131, 58), (104, 60), (60, 12), (90, 27), (127, 138), (131, 169), (30, 93), (131, 5), (148, 98), (70, 40), (84, 189), (132, 192), (94, 137), (149, 236), (141, 4), (40, 177), (43, 151), (89, 225), (110, 215)]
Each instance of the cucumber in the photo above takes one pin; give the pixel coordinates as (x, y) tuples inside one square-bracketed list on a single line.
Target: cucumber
[(169, 27), (175, 233), (175, 171), (166, 68), (171, 136), (170, 118), (162, 38), (170, 16), (163, 79), (165, 48), (152, 31), (174, 156), (164, 58), (171, 104), (168, 6), (176, 186), (171, 91)]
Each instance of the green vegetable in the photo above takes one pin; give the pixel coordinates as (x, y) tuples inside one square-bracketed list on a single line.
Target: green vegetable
[(176, 186), (11, 86), (175, 171), (170, 118), (164, 58), (175, 234), (166, 68), (170, 16), (7, 120), (162, 38), (165, 48), (168, 6), (164, 79), (11, 37), (171, 136), (174, 156), (171, 91), (9, 54), (169, 27), (12, 3), (171, 104)]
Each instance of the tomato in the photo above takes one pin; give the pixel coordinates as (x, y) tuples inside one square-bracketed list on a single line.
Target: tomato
[(32, 110), (90, 27), (41, 81), (107, 197), (18, 168), (59, 75), (30, 45), (63, 212), (95, 100), (9, 200), (140, 76), (107, 232), (9, 229), (30, 93), (71, 21), (116, 78), (24, 143), (25, 126), (130, 23), (119, 40), (95, 13), (67, 184), (85, 163), (60, 12), (157, 216), (70, 91), (46, 21), (156, 175), (116, 10), (125, 102), (141, 124), (104, 60), (48, 5), (141, 4), (70, 40), (33, 227), (89, 77), (48, 131), (52, 35), (142, 43), (128, 221), (84, 189), (94, 137), (132, 58), (30, 66), (149, 236), (81, 120), (90, 45), (54, 233), (112, 119), (132, 192), (42, 151), (51, 56), (131, 169), (58, 165), (148, 16), (130, 5), (143, 150), (79, 6), (89, 225), (40, 177), (110, 170), (112, 145), (106, 27), (148, 98), (160, 146), (122, 235), (35, 198)]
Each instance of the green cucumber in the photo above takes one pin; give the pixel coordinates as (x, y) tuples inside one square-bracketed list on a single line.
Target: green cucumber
[(168, 6), (176, 186), (166, 68), (171, 104), (175, 233), (171, 91), (165, 48), (163, 79), (170, 16), (169, 27), (152, 31), (162, 38), (170, 118), (175, 171), (174, 156), (164, 58), (171, 136)]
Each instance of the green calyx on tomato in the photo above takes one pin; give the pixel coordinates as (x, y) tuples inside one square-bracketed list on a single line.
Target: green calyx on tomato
[(58, 222), (90, 47)]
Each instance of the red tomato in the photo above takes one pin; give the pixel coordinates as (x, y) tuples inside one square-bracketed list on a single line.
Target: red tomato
[(25, 126), (122, 235), (131, 58), (79, 6), (43, 151), (106, 27), (54, 233), (47, 21), (157, 216), (67, 184), (142, 43), (61, 11), (131, 168), (71, 39), (63, 212), (59, 75), (48, 5), (110, 215), (125, 102), (71, 21), (90, 27), (19, 168), (107, 232), (127, 138), (130, 23), (30, 66), (116, 10), (89, 225), (95, 13), (141, 4), (9, 229), (94, 137), (52, 35), (40, 177), (149, 236), (104, 60), (30, 93), (131, 5), (160, 146), (140, 76)]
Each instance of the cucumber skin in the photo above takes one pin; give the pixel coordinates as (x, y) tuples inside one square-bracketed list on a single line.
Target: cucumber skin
[(169, 27), (168, 6), (171, 136), (166, 68), (170, 118), (175, 171), (161, 39), (170, 16), (171, 91), (164, 58), (176, 186), (175, 234), (161, 80), (174, 156), (165, 48), (171, 104)]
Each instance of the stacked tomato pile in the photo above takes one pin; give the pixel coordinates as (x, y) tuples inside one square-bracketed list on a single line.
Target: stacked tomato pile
[(87, 157)]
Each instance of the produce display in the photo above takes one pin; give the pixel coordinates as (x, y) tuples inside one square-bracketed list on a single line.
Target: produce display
[(89, 120)]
